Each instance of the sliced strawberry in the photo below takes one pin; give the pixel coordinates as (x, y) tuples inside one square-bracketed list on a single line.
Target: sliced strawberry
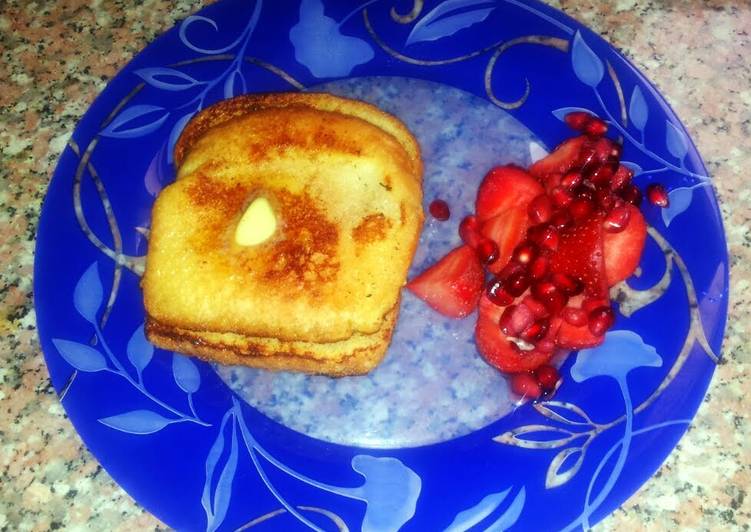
[(501, 353), (560, 160), (453, 285), (579, 336), (504, 187), (623, 250), (507, 230), (579, 255)]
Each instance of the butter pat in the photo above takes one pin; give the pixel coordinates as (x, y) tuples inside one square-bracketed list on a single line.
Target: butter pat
[(257, 224)]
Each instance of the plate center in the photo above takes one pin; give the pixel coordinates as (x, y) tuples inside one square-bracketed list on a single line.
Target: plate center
[(432, 385)]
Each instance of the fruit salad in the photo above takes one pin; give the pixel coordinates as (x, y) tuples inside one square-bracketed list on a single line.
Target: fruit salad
[(540, 253)]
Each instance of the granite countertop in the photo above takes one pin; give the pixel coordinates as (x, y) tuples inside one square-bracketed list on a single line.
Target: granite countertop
[(56, 58)]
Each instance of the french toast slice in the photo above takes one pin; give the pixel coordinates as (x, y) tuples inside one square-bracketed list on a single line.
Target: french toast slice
[(344, 182)]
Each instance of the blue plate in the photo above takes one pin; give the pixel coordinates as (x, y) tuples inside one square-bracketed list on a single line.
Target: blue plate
[(431, 440)]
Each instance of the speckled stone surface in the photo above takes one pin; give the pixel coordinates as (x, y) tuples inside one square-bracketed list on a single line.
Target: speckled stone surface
[(57, 56)]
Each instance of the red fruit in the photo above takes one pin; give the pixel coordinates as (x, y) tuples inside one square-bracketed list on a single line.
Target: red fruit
[(560, 196), (525, 386), (576, 337), (453, 285), (547, 377), (596, 152), (501, 353), (506, 230), (580, 255), (571, 180), (517, 283), (574, 316), (439, 209), (487, 251), (505, 187), (555, 301), (560, 219), (524, 253), (621, 177), (469, 230), (617, 220), (590, 303), (581, 208), (600, 320), (561, 160), (496, 293), (536, 331), (596, 128), (622, 250), (657, 195), (585, 191), (539, 267), (540, 209), (515, 319), (537, 308), (578, 120), (605, 200), (543, 289), (632, 194), (602, 175), (545, 236), (568, 285)]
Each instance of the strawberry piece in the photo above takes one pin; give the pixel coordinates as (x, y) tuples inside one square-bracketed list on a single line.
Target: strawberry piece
[(560, 160), (504, 187), (571, 336), (501, 353), (580, 255), (453, 285), (507, 230), (622, 250)]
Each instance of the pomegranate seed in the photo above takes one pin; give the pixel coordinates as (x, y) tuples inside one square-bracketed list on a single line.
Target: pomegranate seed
[(581, 208), (510, 269), (547, 377), (543, 289), (571, 180), (525, 385), (560, 219), (469, 230), (439, 209), (545, 236), (578, 120), (621, 177), (540, 209), (497, 293), (596, 128), (560, 196), (536, 331), (589, 304), (574, 316), (525, 252), (555, 301), (568, 285), (517, 283), (617, 220), (584, 191), (515, 319), (539, 267), (602, 175), (537, 308), (657, 195), (487, 250), (605, 200), (600, 320), (632, 194)]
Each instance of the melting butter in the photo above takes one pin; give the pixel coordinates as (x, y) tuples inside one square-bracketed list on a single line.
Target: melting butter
[(257, 224)]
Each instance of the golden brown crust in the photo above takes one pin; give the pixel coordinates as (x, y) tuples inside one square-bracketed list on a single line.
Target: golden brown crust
[(355, 356), (242, 105)]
